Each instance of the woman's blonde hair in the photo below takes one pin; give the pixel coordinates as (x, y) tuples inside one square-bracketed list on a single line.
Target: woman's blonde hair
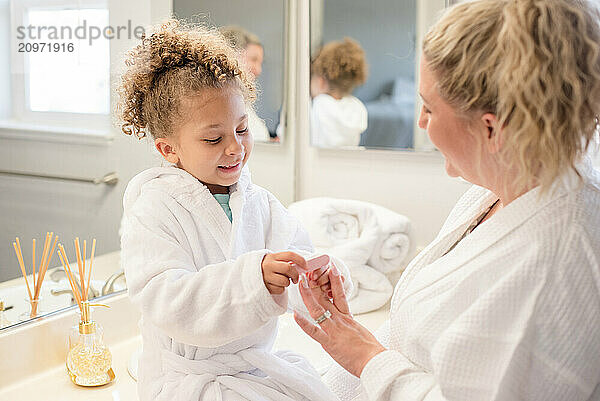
[(535, 64), (343, 64), (175, 62)]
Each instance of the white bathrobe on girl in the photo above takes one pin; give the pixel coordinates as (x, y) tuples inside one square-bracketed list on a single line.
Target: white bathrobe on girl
[(208, 321)]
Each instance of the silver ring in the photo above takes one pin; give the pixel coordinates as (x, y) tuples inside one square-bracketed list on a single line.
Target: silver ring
[(323, 317)]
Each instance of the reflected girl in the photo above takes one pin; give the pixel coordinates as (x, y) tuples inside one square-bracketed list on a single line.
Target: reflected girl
[(337, 117)]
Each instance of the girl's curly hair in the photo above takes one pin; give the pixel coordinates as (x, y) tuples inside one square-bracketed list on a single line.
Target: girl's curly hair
[(343, 64), (174, 62)]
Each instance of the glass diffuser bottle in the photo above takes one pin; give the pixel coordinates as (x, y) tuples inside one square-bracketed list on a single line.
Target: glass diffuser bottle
[(88, 360)]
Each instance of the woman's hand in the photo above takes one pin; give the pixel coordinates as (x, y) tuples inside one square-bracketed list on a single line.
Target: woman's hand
[(342, 337), (278, 269)]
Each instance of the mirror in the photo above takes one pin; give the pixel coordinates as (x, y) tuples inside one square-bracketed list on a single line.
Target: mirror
[(363, 89), (256, 28)]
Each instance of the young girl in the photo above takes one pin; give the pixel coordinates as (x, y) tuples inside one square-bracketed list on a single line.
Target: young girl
[(198, 237), (337, 117)]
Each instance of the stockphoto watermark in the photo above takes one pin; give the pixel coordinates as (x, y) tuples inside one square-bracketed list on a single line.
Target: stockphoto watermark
[(83, 31)]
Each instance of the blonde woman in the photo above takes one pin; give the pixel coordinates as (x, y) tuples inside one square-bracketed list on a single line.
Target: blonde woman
[(337, 117), (504, 304)]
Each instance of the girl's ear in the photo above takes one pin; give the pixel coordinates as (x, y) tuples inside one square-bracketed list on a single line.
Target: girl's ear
[(318, 85), (167, 149), (494, 133)]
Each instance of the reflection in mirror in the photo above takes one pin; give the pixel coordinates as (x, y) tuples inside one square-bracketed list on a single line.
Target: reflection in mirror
[(54, 293), (256, 29), (363, 73)]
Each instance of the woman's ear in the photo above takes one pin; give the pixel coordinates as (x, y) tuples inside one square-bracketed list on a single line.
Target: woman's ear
[(167, 149), (493, 137)]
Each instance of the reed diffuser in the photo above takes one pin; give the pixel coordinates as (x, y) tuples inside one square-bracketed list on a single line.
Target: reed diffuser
[(34, 297), (88, 359)]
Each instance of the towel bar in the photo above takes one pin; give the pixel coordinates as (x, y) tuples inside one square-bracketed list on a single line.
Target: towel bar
[(108, 179)]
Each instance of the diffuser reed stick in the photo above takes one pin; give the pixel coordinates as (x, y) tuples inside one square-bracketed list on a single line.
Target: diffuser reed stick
[(65, 262), (91, 261), (33, 258), (17, 247), (80, 289), (41, 269)]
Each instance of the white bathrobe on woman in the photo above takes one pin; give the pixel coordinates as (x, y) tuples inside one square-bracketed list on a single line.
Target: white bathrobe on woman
[(511, 313), (208, 322)]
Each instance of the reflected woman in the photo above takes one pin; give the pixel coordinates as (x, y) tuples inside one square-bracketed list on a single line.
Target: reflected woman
[(337, 117), (504, 304), (252, 54)]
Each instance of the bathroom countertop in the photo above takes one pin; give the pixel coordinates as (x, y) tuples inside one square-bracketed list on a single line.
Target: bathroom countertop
[(54, 384)]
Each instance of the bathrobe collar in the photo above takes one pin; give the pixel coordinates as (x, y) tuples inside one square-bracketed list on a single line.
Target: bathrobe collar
[(501, 224), (196, 197)]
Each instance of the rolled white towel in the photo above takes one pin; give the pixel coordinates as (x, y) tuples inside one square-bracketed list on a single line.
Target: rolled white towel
[(331, 222), (393, 244), (342, 227), (390, 252)]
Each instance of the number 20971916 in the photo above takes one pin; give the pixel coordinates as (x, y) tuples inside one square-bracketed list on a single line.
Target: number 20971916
[(40, 47)]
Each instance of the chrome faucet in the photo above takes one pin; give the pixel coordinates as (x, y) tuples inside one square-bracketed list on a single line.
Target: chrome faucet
[(55, 276), (107, 288)]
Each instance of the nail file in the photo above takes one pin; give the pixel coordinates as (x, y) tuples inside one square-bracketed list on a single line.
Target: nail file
[(313, 264), (317, 262)]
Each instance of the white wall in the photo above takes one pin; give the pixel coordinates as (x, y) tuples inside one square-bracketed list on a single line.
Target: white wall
[(272, 167)]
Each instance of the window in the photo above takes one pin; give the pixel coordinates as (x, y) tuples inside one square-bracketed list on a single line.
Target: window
[(64, 81), (60, 63)]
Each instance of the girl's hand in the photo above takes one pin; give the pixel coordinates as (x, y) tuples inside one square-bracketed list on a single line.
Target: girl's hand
[(278, 270), (320, 278), (342, 337)]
